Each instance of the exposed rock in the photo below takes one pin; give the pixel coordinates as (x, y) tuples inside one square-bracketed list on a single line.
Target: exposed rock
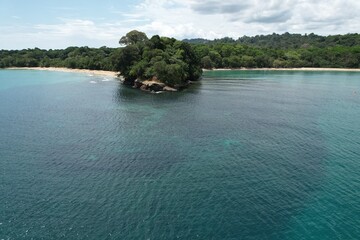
[(144, 88), (169, 89), (154, 85), (137, 84)]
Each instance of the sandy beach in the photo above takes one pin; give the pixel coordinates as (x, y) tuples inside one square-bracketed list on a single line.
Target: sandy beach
[(87, 71), (288, 69), (115, 74)]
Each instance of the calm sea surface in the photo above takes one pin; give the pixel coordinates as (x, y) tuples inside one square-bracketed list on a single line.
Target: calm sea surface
[(240, 155)]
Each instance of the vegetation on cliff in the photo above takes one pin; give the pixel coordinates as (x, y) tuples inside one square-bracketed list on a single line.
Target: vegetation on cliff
[(165, 59)]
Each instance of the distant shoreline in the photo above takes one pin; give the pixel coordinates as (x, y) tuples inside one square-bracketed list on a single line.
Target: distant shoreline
[(60, 69), (115, 74), (288, 69)]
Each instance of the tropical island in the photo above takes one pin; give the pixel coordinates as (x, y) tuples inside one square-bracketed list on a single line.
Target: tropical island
[(157, 64), (163, 63)]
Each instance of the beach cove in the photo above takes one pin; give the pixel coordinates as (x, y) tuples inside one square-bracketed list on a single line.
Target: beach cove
[(61, 69)]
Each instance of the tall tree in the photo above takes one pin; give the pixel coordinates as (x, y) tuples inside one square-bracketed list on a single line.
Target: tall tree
[(133, 37)]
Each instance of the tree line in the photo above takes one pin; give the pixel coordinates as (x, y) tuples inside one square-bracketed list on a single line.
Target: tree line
[(71, 57), (280, 51), (277, 51), (235, 55), (287, 40)]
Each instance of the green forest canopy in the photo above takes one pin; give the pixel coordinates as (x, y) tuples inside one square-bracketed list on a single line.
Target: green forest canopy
[(171, 61), (285, 50)]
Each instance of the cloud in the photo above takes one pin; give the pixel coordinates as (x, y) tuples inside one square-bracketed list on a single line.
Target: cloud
[(188, 19), (218, 18), (219, 7), (325, 17), (68, 27), (269, 17), (67, 32), (172, 18)]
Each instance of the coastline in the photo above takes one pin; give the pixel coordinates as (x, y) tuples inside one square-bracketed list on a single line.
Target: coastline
[(115, 74), (61, 69), (288, 69)]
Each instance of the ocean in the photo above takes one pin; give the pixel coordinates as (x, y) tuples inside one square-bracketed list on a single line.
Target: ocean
[(238, 155)]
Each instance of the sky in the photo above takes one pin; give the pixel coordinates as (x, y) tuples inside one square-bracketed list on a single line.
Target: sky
[(56, 24)]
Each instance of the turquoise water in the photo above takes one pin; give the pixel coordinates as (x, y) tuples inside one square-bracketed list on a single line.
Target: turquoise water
[(240, 155)]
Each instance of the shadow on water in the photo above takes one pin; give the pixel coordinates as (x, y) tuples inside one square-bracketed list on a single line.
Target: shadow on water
[(128, 94), (142, 130)]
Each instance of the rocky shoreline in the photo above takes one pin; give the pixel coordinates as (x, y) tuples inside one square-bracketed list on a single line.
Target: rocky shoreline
[(155, 86)]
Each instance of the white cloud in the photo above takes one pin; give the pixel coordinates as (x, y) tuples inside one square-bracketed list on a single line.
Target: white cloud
[(218, 18), (68, 32), (191, 19)]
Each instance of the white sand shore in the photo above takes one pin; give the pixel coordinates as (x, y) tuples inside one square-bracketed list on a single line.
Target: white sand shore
[(92, 72), (289, 69)]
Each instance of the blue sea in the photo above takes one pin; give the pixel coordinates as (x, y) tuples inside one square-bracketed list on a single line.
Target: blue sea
[(238, 155)]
